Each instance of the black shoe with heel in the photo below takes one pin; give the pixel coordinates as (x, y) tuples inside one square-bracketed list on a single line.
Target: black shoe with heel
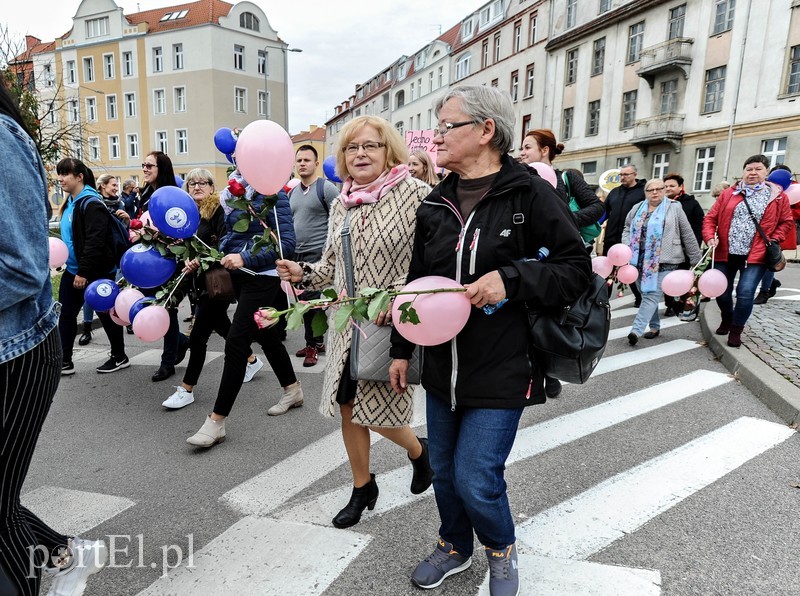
[(86, 337), (363, 497), (423, 474)]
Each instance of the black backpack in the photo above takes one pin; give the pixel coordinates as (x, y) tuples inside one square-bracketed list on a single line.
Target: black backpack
[(321, 195), (120, 240)]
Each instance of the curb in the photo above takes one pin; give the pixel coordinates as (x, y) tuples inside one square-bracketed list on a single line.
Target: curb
[(778, 394)]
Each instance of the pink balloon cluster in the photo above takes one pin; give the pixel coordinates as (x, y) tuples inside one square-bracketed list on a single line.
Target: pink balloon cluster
[(619, 254), (150, 324), (793, 193), (441, 316), (627, 274), (678, 282)]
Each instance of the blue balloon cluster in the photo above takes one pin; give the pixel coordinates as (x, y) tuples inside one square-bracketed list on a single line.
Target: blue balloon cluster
[(144, 267), (782, 178), (329, 168), (174, 212), (225, 141), (101, 294)]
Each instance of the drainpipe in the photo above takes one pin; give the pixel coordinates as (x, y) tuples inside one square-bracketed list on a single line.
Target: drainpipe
[(736, 96)]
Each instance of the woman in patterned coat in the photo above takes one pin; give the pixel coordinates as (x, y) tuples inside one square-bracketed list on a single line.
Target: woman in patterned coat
[(381, 199)]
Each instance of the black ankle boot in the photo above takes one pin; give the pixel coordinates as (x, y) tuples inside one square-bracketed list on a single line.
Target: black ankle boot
[(363, 497), (423, 475), (87, 334)]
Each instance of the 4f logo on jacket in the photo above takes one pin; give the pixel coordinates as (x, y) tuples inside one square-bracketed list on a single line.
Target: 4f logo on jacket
[(505, 233)]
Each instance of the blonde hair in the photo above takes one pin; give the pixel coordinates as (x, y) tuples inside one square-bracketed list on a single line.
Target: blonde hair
[(429, 174), (210, 203), (719, 187), (396, 152), (103, 180)]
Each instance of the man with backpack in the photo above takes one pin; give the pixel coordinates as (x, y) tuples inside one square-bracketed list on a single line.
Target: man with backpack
[(311, 204)]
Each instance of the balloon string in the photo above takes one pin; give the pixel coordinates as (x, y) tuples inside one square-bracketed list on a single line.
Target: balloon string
[(175, 287), (280, 245)]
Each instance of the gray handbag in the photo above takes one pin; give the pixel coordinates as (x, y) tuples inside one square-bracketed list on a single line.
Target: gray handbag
[(369, 352)]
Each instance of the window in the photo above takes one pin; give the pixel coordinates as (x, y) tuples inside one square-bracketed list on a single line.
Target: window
[(723, 15), (514, 85), (113, 147), (529, 80), (127, 64), (704, 169), (130, 105), (598, 56), (182, 140), (413, 92), (94, 148), (400, 127), (96, 27), (262, 103), (240, 100), (77, 148), (532, 29), (88, 69), (497, 47), (247, 20), (47, 71), (566, 123), (526, 126), (677, 17), (669, 96), (494, 83), (238, 57), (660, 165), (401, 72), (133, 145), (430, 118), (73, 113), (69, 72), (161, 141), (430, 85), (399, 99), (440, 77), (794, 71), (589, 168), (177, 56), (774, 150), (593, 118), (91, 109), (715, 89), (108, 66), (572, 66), (623, 161), (467, 29), (174, 16), (605, 6), (462, 67), (111, 107), (485, 53), (262, 62), (491, 13), (159, 101), (629, 109), (517, 36), (179, 100), (572, 13), (635, 39)]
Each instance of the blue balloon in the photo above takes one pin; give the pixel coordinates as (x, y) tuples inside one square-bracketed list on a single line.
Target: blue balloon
[(101, 294), (229, 157), (329, 167), (144, 267), (781, 177), (174, 212), (178, 181), (224, 140), (139, 305)]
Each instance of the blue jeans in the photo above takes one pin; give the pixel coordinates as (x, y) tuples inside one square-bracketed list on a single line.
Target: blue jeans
[(766, 281), (749, 277), (648, 311), (468, 452)]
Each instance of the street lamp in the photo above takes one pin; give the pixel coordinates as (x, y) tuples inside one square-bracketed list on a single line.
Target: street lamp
[(80, 118), (284, 49)]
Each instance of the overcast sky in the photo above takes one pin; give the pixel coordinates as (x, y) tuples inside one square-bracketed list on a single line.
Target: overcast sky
[(343, 43)]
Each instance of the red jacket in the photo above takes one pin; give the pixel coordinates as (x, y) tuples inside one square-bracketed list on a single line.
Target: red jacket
[(777, 222)]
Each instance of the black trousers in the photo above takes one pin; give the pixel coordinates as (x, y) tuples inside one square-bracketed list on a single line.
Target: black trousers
[(311, 339), (209, 316), (27, 386), (252, 293)]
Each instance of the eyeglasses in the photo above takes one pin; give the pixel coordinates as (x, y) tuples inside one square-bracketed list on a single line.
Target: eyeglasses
[(657, 189), (148, 166), (448, 126), (368, 147), (200, 183)]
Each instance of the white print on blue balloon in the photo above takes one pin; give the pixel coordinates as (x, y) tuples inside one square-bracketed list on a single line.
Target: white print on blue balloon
[(176, 217), (139, 248), (104, 290)]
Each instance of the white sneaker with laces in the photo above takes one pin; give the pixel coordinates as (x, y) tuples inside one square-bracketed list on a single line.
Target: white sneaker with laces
[(87, 558), (252, 369), (180, 399), (292, 398)]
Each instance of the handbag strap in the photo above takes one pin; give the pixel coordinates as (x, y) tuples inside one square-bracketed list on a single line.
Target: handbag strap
[(347, 255), (753, 217)]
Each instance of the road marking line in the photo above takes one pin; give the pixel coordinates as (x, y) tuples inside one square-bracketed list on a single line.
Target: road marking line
[(638, 356), (621, 332), (153, 358), (591, 521), (73, 512), (627, 312)]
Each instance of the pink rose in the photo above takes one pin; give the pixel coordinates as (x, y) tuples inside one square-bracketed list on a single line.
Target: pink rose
[(265, 318)]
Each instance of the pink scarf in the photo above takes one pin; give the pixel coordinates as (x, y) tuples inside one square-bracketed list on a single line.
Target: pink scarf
[(354, 194)]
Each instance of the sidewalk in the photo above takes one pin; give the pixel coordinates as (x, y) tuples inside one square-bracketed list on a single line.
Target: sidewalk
[(768, 363)]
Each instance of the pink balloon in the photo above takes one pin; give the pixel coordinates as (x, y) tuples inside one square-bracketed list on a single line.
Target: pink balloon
[(545, 171), (59, 253), (147, 220), (619, 254), (793, 193), (292, 183), (265, 156), (712, 283), (151, 323), (441, 316), (124, 301), (627, 274), (678, 282), (602, 266), (113, 314)]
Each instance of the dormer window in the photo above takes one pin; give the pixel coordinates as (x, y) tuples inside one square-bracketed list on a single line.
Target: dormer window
[(467, 29), (492, 13), (174, 16), (247, 20)]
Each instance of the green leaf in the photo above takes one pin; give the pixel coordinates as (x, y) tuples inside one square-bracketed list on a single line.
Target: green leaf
[(240, 204), (295, 318), (408, 314), (368, 292), (360, 310), (241, 225), (330, 293), (379, 303), (162, 251), (319, 324), (342, 317), (178, 251)]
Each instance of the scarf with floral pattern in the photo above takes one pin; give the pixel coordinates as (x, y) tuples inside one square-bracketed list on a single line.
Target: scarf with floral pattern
[(652, 243)]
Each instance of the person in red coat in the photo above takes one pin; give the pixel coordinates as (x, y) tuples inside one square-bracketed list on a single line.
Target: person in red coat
[(730, 227)]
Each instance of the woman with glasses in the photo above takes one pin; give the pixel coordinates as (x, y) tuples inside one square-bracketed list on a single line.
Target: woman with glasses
[(379, 199), (420, 166), (210, 315), (661, 239)]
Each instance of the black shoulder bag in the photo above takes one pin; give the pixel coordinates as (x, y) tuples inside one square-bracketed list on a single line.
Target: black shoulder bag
[(774, 256)]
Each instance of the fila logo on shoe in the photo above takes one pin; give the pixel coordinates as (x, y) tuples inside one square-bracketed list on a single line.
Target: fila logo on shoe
[(505, 233)]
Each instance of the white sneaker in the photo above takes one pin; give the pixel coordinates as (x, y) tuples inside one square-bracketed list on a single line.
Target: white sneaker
[(87, 558), (292, 398), (180, 399), (252, 369), (211, 433)]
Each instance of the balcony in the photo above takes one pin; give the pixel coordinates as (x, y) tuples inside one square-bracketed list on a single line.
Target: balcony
[(667, 128), (675, 54)]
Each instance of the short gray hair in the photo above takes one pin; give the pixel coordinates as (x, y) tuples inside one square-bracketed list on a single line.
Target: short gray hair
[(631, 166), (480, 103), (197, 174)]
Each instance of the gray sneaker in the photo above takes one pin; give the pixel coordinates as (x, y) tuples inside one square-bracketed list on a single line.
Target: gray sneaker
[(440, 564), (503, 573)]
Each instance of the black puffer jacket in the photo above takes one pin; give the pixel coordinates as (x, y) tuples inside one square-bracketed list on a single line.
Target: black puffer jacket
[(487, 364), (591, 209), (618, 204), (91, 236)]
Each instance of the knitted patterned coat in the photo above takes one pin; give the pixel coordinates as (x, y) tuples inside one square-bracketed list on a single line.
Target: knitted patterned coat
[(382, 237)]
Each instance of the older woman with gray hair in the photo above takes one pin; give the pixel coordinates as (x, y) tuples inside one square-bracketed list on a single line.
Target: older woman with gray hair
[(480, 225)]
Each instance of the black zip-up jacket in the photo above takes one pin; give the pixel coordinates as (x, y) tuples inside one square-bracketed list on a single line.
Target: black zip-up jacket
[(591, 209), (618, 203), (91, 236), (487, 364), (694, 213)]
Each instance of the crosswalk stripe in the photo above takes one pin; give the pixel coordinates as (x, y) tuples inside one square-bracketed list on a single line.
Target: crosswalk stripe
[(153, 358), (628, 312), (589, 522), (621, 332), (638, 356), (73, 512)]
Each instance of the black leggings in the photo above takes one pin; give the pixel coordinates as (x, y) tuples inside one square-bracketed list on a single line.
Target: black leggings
[(27, 386), (252, 293)]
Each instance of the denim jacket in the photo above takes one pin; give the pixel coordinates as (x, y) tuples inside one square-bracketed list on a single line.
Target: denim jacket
[(27, 310)]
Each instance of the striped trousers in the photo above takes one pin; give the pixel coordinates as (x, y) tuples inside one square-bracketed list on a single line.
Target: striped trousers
[(27, 386)]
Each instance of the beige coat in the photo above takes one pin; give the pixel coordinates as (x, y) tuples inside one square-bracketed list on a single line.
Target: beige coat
[(382, 237)]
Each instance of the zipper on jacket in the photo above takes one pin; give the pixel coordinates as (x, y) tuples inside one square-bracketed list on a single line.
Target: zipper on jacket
[(453, 347), (473, 248)]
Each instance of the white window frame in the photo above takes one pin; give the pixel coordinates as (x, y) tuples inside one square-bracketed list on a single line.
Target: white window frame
[(181, 141), (572, 13), (238, 57), (91, 108), (793, 72), (462, 66), (179, 99), (132, 144), (660, 164), (177, 56), (158, 59), (70, 74), (517, 36), (530, 79), (774, 150), (532, 25), (262, 103), (514, 86), (240, 100), (161, 141), (263, 56), (159, 102), (114, 151), (96, 27), (567, 122), (94, 148), (128, 68), (714, 90), (635, 42), (676, 22), (668, 97), (629, 101), (593, 118), (704, 168), (88, 69), (130, 105), (598, 56), (571, 66), (109, 67), (73, 111), (467, 30), (723, 16)]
